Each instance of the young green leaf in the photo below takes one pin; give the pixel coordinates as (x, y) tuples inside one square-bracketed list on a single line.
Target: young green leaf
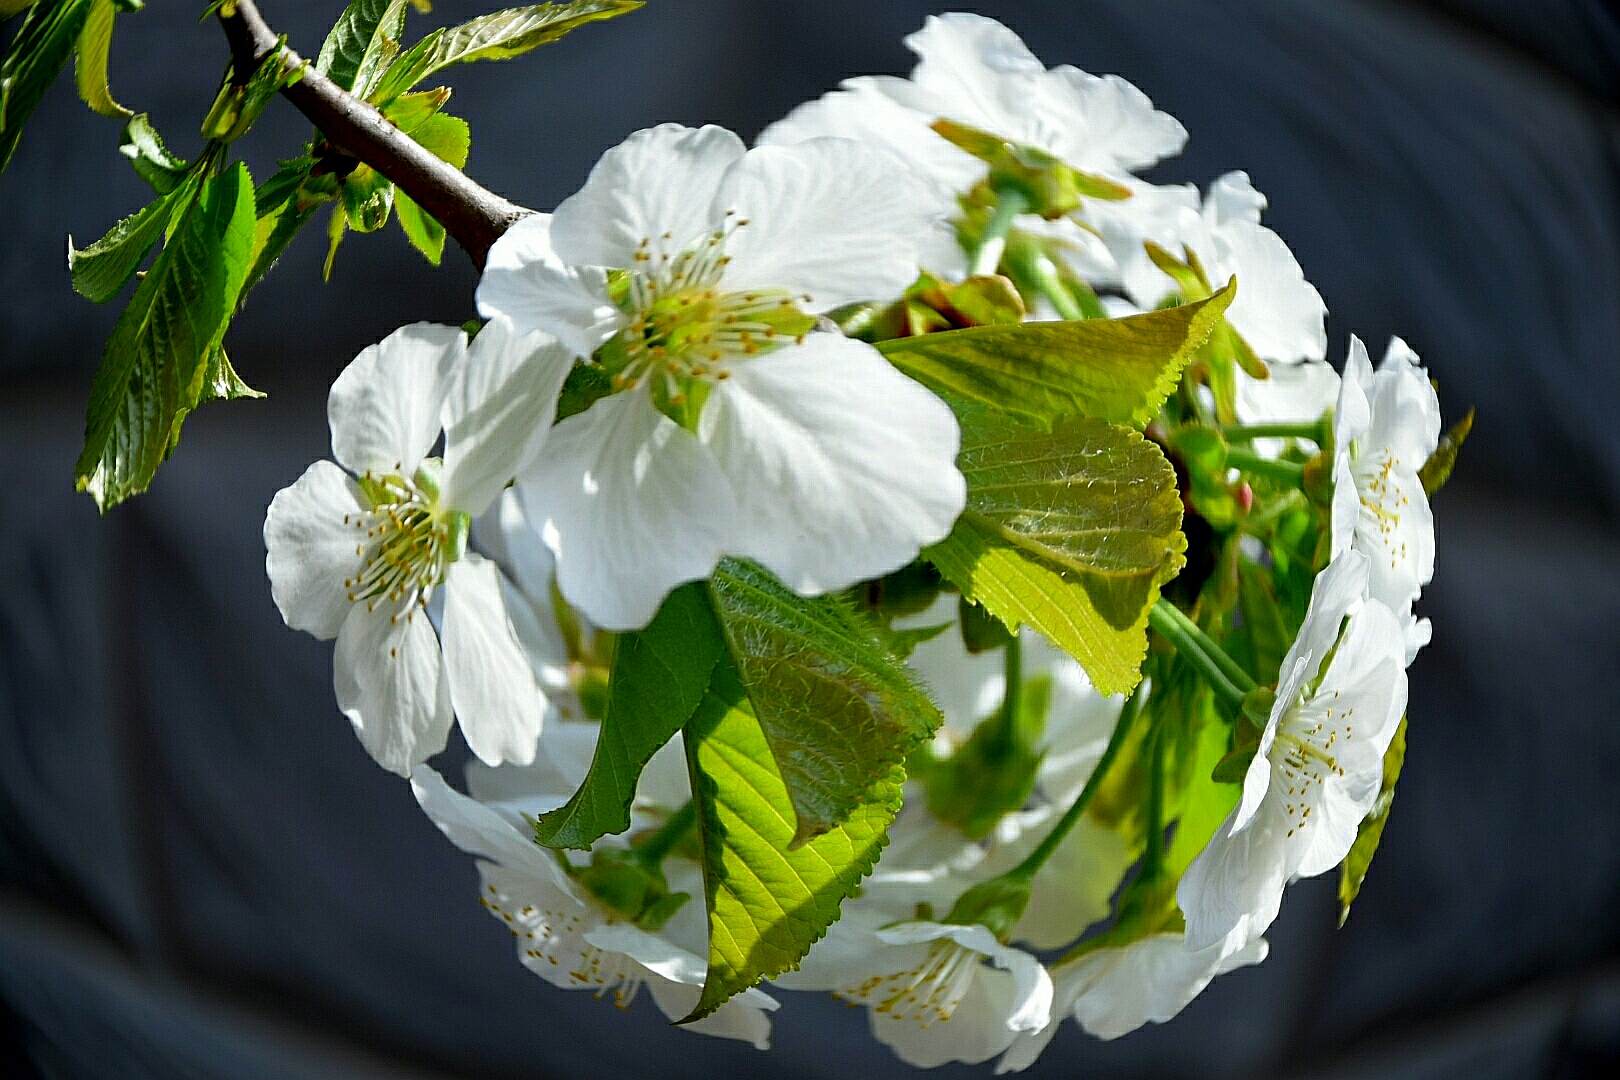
[(156, 361), (768, 901), (90, 69), (100, 271), (350, 37), (660, 676), (1071, 532), (368, 199), (32, 61), (151, 159), (1437, 470), (1119, 370), (421, 228), (380, 50), (281, 214), (222, 383), (1354, 869), (501, 35), (837, 708), (445, 137)]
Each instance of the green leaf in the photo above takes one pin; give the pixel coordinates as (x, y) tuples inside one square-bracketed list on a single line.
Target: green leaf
[(501, 35), (222, 383), (90, 70), (660, 676), (100, 271), (1354, 870), (349, 39), (768, 901), (1071, 532), (8, 8), (156, 361), (445, 137), (368, 199), (281, 214), (151, 159), (380, 50), (407, 111), (32, 61), (585, 386), (838, 709), (1119, 370), (421, 228), (1437, 470)]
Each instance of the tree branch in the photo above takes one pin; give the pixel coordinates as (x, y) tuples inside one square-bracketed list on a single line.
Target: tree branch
[(475, 216)]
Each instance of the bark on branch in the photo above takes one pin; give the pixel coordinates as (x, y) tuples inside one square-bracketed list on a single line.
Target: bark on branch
[(475, 216)]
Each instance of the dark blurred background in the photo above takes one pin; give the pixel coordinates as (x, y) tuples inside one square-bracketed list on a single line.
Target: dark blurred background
[(202, 874)]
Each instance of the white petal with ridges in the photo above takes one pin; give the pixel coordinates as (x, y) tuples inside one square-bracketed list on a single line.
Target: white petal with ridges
[(384, 407), (310, 544), (498, 412), (388, 673), (525, 281), (658, 186), (631, 505), (831, 219), (491, 685), (842, 468)]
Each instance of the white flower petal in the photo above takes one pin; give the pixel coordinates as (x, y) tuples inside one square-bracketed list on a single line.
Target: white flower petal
[(491, 685), (656, 186), (742, 1018), (976, 1032), (842, 468), (1236, 883), (1150, 980), (525, 281), (310, 549), (832, 219), (1104, 124), (965, 61), (479, 830), (388, 673), (1232, 197), (384, 407), (1278, 312), (498, 412), (631, 505)]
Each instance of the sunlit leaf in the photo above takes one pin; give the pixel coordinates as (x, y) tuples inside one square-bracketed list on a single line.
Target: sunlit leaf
[(660, 675), (100, 271), (1119, 370), (1354, 869), (34, 57), (90, 69), (768, 901), (1071, 532), (156, 362), (837, 708)]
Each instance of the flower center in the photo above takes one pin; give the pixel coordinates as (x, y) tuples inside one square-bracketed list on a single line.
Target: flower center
[(1304, 753), (555, 938), (686, 329), (407, 540), (926, 994), (1382, 501)]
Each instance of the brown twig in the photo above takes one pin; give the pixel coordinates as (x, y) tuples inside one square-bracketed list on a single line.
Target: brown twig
[(475, 216)]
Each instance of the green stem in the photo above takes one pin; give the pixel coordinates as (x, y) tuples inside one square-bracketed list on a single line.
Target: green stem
[(1153, 854), (1187, 645), (1009, 204), (1244, 432), (1052, 287), (1012, 701), (653, 850), (1229, 667), (1291, 473), (1127, 719)]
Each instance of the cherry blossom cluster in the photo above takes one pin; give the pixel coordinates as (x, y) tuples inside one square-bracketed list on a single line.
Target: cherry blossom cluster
[(491, 519)]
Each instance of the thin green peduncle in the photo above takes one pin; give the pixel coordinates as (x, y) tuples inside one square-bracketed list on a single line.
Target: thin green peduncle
[(1009, 204), (1189, 642), (652, 851)]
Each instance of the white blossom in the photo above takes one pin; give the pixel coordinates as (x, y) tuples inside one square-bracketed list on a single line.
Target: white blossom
[(359, 554), (1291, 394), (1386, 426), (563, 934), (1278, 312), (1319, 765), (934, 992), (976, 72), (808, 452), (1114, 990)]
